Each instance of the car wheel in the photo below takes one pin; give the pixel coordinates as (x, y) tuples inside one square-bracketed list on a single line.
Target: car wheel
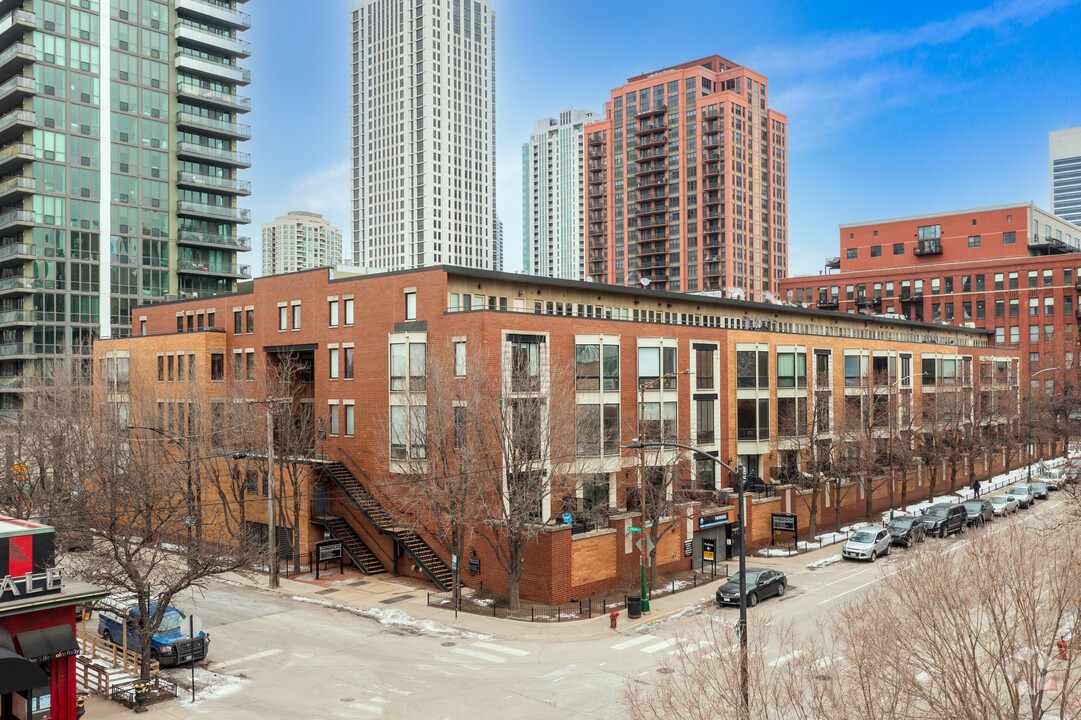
[(780, 590), (889, 549), (752, 599), (154, 656), (964, 528), (874, 556), (107, 636)]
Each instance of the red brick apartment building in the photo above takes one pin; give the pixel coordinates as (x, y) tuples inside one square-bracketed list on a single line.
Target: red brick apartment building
[(373, 347), (687, 182), (1012, 269)]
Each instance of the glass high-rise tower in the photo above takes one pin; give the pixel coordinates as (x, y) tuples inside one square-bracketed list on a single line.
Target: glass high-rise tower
[(118, 167)]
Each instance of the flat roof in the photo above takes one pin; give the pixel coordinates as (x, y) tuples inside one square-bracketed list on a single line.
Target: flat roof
[(10, 526), (924, 216), (585, 285)]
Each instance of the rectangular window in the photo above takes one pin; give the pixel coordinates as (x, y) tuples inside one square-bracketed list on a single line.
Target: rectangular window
[(408, 433), (217, 367), (1000, 336), (525, 358), (1000, 309), (898, 248), (1048, 333), (348, 307), (791, 370), (283, 318), (459, 426), (587, 367), (851, 254), (238, 366), (704, 418), (459, 359), (1032, 279), (973, 241), (752, 369), (1015, 307), (1034, 333), (654, 362), (981, 310), (1067, 305), (752, 419), (1033, 307), (1013, 280), (1009, 238), (411, 306), (250, 365), (1048, 306), (161, 368), (658, 421), (703, 363), (856, 367), (249, 321), (333, 363), (1048, 278), (172, 363), (876, 251), (296, 317), (237, 322), (349, 416), (335, 418), (333, 313), (588, 430), (347, 363), (1015, 335)]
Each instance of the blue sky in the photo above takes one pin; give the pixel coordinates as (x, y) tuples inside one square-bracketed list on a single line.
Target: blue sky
[(893, 108)]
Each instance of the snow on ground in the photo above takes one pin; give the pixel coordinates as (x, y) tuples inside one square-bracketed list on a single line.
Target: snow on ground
[(688, 611), (399, 620), (775, 552), (208, 685), (824, 562)]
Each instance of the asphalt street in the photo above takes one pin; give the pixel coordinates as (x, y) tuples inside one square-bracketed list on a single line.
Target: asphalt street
[(296, 653)]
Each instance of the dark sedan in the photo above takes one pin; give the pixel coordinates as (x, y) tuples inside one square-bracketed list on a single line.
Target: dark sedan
[(980, 512), (761, 583), (906, 530)]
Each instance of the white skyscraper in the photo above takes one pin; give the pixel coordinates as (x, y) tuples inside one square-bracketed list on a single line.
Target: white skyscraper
[(1066, 174), (498, 264), (553, 198), (423, 133), (300, 241)]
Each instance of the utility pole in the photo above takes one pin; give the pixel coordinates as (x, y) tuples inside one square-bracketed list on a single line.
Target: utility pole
[(272, 526)]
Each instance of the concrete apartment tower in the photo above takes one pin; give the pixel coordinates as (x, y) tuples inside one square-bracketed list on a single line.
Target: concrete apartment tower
[(300, 241), (118, 168), (498, 245), (553, 196), (1066, 174), (423, 134), (687, 183)]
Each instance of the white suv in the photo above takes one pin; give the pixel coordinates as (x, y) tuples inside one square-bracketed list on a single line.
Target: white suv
[(867, 544), (1053, 478)]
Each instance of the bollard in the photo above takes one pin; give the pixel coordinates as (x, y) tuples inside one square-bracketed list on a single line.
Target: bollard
[(612, 618), (532, 610)]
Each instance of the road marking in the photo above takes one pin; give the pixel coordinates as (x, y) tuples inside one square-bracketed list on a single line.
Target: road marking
[(690, 647), (374, 709), (501, 648), (253, 656), (459, 663), (657, 646), (633, 641), (479, 655)]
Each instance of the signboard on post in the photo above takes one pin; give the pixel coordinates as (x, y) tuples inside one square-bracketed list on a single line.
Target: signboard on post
[(327, 551), (783, 522), (709, 550)]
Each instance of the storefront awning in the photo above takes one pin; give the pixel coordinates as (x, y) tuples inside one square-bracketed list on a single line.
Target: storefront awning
[(48, 643), (18, 674)]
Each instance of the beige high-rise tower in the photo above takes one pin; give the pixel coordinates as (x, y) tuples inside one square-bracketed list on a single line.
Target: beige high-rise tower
[(300, 241)]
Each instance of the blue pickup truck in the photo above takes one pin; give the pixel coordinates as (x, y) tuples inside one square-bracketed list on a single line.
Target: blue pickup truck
[(171, 645)]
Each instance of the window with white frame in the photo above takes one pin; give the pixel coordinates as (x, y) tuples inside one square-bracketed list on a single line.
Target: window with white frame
[(459, 358), (333, 308), (347, 310), (333, 352), (408, 367), (408, 433)]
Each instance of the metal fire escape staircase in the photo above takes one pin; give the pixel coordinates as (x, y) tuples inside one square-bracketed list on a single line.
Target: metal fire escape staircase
[(418, 550)]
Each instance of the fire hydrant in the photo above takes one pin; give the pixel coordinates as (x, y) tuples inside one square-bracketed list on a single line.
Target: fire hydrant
[(613, 616)]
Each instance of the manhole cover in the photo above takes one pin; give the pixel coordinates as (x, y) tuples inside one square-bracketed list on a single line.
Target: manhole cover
[(347, 699), (665, 670), (448, 644)]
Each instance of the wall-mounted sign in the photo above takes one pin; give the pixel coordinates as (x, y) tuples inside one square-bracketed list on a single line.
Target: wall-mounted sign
[(15, 587), (688, 548), (708, 521)]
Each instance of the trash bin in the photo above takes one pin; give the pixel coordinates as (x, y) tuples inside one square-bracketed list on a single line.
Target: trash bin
[(634, 606)]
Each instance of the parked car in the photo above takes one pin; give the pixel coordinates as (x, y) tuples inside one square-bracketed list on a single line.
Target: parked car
[(867, 544), (1039, 489), (906, 530), (170, 644), (979, 511), (69, 540), (761, 583), (1053, 478), (1023, 493), (1004, 504), (944, 519)]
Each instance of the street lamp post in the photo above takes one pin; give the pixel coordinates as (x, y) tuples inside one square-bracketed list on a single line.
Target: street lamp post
[(739, 472), (642, 474), (1029, 446)]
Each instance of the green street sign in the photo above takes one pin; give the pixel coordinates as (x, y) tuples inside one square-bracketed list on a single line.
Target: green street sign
[(649, 524), (634, 529)]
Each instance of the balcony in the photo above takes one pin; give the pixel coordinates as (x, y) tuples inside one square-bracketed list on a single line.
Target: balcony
[(214, 13), (657, 124), (190, 237), (17, 317), (14, 90), (15, 123), (652, 179), (11, 349), (19, 285), (655, 110), (215, 212), (194, 36), (16, 218), (211, 182), (219, 70), (827, 302), (928, 247), (833, 263), (203, 267), (1048, 245), (235, 103), (195, 151), (210, 126), (16, 253), (15, 24), (15, 58), (15, 186)]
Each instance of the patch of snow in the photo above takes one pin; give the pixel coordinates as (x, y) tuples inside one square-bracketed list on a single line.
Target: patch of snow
[(226, 581), (824, 562), (208, 685), (487, 602), (775, 552), (688, 611), (398, 619)]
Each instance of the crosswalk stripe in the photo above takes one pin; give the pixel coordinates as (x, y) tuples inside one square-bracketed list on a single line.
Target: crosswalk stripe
[(376, 709), (657, 646), (479, 655), (633, 641), (501, 648), (459, 663)]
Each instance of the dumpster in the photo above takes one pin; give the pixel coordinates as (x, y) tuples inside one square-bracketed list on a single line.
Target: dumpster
[(634, 606)]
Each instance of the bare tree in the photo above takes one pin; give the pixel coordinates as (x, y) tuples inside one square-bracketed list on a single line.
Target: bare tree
[(862, 439), (805, 449)]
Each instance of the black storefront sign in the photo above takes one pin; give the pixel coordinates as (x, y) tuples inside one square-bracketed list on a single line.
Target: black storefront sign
[(708, 521)]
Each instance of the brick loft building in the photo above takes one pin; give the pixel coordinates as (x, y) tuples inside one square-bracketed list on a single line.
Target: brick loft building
[(1012, 269), (381, 355), (686, 183)]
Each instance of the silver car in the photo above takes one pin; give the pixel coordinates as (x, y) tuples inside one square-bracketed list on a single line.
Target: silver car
[(1023, 493), (867, 544), (1053, 478), (1004, 504)]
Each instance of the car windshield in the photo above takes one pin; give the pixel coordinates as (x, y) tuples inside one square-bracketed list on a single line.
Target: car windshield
[(936, 512), (171, 621), (863, 537), (1000, 500), (752, 578), (974, 504), (901, 524), (1038, 486), (1018, 490)]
